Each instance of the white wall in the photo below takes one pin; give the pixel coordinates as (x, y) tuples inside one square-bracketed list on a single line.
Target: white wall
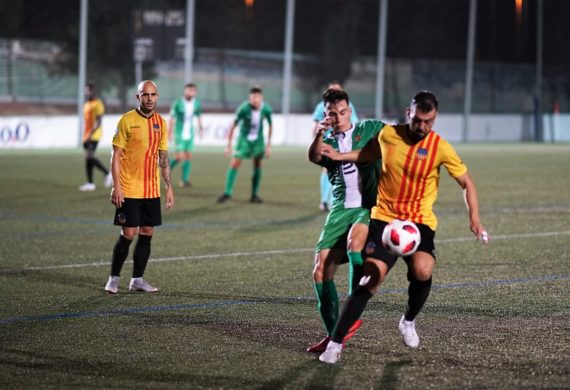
[(40, 132)]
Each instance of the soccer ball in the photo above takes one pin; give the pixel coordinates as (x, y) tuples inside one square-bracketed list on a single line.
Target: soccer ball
[(401, 238)]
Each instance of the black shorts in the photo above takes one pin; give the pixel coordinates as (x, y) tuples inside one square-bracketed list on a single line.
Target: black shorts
[(139, 212), (376, 250), (90, 146)]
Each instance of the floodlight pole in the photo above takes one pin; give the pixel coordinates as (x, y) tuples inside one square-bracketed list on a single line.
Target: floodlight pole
[(469, 70), (82, 65), (287, 66), (381, 61), (538, 89), (189, 47)]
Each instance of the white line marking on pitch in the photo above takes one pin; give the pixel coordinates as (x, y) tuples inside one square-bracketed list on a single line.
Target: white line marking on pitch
[(104, 263)]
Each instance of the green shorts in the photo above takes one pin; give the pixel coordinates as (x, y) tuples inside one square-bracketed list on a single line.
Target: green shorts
[(185, 145), (249, 149), (338, 224)]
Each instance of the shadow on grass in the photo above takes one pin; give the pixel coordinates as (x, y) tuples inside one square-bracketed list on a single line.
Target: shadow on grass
[(389, 379), (44, 368), (323, 376)]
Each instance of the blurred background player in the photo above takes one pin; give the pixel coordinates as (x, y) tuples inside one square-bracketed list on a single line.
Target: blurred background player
[(140, 148), (318, 116), (181, 126), (250, 142), (354, 189), (412, 156), (93, 111)]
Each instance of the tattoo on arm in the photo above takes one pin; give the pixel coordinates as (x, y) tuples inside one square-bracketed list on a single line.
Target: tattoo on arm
[(164, 165)]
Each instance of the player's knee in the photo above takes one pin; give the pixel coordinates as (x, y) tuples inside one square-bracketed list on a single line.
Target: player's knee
[(420, 274), (146, 230), (356, 244)]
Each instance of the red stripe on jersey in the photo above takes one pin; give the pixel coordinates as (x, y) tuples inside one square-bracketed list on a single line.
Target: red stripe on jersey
[(152, 158), (433, 152), (404, 180), (421, 181), (414, 182), (147, 175), (156, 139)]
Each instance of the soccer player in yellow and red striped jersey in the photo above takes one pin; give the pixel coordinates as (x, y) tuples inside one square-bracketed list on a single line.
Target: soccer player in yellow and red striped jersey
[(140, 148), (412, 155), (93, 111)]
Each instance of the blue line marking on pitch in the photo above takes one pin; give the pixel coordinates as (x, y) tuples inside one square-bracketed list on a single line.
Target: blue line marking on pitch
[(150, 309)]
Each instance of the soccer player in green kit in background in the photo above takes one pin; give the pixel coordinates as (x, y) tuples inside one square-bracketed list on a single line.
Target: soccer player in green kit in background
[(181, 126), (250, 142)]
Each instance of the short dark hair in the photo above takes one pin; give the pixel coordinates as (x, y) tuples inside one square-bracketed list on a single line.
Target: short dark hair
[(255, 89), (425, 101), (90, 86), (332, 95), (190, 85)]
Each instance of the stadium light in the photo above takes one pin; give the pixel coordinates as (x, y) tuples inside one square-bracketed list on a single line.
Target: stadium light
[(249, 3)]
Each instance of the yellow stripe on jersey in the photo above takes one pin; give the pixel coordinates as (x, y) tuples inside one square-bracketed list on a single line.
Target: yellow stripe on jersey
[(140, 138), (408, 186)]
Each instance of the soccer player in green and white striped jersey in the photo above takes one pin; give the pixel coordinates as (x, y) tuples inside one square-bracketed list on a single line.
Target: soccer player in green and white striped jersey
[(181, 126), (250, 143), (354, 189)]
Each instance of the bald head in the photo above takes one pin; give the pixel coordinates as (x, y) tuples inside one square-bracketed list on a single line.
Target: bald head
[(147, 95), (143, 83)]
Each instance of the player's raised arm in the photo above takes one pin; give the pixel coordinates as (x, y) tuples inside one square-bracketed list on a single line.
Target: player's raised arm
[(371, 152), (314, 152)]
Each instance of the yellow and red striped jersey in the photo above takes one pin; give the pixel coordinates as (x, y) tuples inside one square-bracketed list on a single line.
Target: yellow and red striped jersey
[(408, 185), (91, 110), (140, 138)]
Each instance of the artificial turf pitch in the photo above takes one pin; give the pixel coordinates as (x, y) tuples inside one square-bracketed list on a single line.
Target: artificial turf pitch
[(236, 307)]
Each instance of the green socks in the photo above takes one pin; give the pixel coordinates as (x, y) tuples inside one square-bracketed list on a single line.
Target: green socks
[(173, 163), (355, 270), (186, 167), (327, 298), (230, 180), (255, 181)]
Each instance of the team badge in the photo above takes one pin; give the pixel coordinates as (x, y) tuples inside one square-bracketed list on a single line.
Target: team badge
[(156, 127), (357, 138), (422, 154), (370, 246)]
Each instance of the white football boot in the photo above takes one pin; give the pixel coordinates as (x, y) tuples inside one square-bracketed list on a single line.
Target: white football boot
[(138, 284), (332, 353), (87, 187), (408, 331), (112, 286)]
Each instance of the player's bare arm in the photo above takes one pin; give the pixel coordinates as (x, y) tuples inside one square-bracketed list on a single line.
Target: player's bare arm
[(371, 152), (268, 145), (200, 127), (117, 197), (164, 165), (472, 203), (230, 138), (316, 146)]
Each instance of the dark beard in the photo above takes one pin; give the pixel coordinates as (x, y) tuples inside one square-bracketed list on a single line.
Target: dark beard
[(415, 137)]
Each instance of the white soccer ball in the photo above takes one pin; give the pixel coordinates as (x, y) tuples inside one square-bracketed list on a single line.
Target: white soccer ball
[(401, 238)]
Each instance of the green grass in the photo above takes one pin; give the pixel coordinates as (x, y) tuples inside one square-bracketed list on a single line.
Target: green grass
[(236, 307)]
